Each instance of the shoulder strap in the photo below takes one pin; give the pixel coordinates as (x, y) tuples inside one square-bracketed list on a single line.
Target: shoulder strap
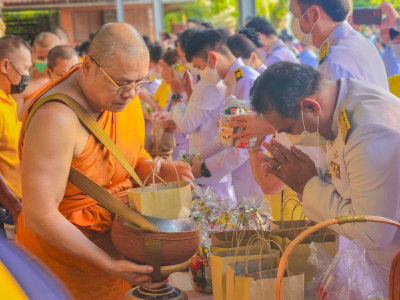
[(87, 185), (92, 126)]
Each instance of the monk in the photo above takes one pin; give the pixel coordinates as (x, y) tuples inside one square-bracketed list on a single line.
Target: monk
[(65, 228), (61, 34), (60, 60), (15, 62), (40, 49)]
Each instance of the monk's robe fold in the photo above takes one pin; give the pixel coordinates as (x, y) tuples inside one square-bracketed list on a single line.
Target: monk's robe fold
[(85, 280)]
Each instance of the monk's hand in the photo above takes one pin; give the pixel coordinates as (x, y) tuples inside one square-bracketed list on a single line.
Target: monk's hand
[(292, 166), (169, 173), (134, 274), (252, 125)]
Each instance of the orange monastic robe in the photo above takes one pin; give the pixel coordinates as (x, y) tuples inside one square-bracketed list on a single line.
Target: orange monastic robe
[(84, 280), (36, 93)]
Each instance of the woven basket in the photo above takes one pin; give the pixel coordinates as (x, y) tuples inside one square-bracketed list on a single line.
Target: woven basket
[(394, 276)]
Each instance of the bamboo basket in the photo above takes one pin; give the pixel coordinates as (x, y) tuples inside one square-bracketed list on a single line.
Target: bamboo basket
[(394, 276)]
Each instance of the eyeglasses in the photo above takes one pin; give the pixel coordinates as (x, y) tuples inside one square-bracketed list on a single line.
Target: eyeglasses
[(122, 89)]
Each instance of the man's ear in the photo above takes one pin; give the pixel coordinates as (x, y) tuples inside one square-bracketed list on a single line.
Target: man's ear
[(310, 105), (314, 14), (48, 72), (253, 58), (4, 65), (212, 59)]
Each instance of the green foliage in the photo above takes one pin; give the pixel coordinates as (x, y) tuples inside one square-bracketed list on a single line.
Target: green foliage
[(375, 3)]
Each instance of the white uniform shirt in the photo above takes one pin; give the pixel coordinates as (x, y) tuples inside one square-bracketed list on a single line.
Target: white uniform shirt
[(366, 169), (199, 120), (280, 52), (351, 55), (239, 81)]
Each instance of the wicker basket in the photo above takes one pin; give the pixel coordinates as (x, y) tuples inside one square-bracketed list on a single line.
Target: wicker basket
[(394, 277)]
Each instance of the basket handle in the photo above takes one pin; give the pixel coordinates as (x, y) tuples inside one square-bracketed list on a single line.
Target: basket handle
[(309, 231)]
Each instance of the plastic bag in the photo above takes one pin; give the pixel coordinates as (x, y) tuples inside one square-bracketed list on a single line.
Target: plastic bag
[(233, 107), (352, 275), (320, 259)]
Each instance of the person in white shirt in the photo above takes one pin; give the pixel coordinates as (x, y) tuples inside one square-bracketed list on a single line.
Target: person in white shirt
[(360, 122), (344, 52), (242, 47), (276, 50), (208, 52)]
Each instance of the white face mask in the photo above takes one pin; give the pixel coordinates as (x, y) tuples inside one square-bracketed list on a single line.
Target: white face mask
[(306, 138), (192, 69), (210, 75), (396, 51), (305, 38)]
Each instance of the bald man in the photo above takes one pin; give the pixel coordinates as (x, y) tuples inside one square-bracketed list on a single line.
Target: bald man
[(40, 49), (61, 34), (15, 62), (60, 60), (69, 229)]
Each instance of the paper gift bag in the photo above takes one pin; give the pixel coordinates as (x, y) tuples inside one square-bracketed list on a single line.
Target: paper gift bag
[(219, 262), (162, 200), (247, 288), (249, 268), (240, 245), (298, 259), (234, 236)]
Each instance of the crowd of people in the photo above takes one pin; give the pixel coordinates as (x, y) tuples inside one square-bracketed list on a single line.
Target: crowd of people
[(325, 117)]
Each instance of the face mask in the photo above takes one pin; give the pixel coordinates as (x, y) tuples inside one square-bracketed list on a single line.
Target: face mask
[(154, 74), (40, 65), (283, 139), (20, 87), (210, 75), (396, 51), (305, 38), (306, 138), (192, 69)]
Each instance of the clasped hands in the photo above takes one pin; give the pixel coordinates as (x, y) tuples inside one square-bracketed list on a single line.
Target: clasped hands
[(292, 166)]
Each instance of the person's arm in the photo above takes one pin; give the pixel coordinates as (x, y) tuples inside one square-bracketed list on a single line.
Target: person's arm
[(49, 146), (269, 184), (189, 117), (372, 162)]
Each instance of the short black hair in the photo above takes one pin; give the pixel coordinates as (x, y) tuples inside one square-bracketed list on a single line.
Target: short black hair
[(194, 20), (241, 46), (147, 41), (338, 10), (252, 36), (184, 37), (283, 86), (204, 41), (171, 57), (84, 48), (155, 53), (262, 25)]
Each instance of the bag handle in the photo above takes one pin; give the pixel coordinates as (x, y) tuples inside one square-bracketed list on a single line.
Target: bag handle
[(92, 126), (83, 182), (309, 231)]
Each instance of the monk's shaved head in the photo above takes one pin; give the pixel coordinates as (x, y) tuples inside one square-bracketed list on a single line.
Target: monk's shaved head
[(9, 44), (65, 52), (117, 38), (46, 40), (61, 34)]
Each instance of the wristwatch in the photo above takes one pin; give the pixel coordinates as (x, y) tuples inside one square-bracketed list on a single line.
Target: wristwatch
[(176, 97), (204, 171)]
